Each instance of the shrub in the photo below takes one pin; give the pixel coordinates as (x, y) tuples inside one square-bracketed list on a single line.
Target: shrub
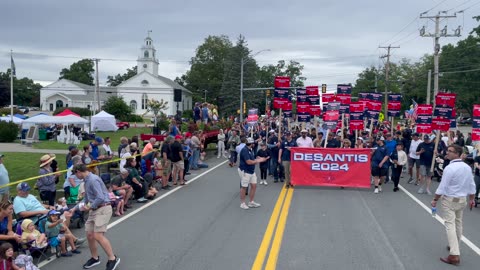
[(8, 131), (6, 111), (131, 118), (79, 111), (187, 114), (162, 123)]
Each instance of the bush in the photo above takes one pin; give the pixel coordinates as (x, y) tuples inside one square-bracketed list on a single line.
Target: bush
[(79, 111), (187, 114), (6, 111), (8, 131), (162, 123), (131, 118)]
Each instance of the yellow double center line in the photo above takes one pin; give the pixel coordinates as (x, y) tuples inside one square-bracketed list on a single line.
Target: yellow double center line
[(276, 227)]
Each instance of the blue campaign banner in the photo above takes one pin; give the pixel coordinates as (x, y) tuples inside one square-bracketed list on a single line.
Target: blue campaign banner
[(287, 114), (369, 122), (424, 119), (476, 123), (314, 100), (356, 116), (393, 113), (301, 91), (330, 125), (344, 89), (373, 114), (281, 93), (303, 117), (453, 123), (333, 106), (443, 112), (394, 97), (375, 96), (344, 108), (363, 96), (302, 99)]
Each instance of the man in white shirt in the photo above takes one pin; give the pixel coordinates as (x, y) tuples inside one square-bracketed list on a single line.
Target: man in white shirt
[(413, 158), (457, 183), (304, 140)]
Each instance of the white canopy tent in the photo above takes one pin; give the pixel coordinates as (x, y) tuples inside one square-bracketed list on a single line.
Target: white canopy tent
[(65, 136), (104, 121), (7, 118)]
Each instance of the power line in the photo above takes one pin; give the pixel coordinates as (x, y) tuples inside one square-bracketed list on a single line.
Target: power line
[(434, 7), (406, 26)]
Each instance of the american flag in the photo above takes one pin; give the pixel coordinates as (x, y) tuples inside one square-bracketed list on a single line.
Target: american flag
[(12, 64), (415, 109)]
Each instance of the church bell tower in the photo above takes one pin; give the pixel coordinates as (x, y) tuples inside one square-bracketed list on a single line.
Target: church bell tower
[(147, 60)]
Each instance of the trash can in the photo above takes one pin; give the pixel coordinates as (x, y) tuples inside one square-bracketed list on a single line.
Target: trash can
[(42, 134), (24, 133)]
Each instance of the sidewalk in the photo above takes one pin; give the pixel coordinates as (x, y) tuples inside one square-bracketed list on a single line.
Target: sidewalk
[(16, 147)]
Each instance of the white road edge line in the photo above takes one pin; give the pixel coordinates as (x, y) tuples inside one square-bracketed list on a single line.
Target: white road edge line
[(134, 212), (467, 242)]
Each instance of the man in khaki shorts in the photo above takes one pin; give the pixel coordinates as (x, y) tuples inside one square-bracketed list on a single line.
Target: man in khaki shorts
[(246, 171), (97, 202)]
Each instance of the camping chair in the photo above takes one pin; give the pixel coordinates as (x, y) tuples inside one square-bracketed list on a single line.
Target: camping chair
[(52, 240), (28, 248)]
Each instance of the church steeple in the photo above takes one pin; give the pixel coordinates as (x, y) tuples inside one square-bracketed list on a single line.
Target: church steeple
[(147, 60)]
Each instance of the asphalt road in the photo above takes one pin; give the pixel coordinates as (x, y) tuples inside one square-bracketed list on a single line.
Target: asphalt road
[(201, 226)]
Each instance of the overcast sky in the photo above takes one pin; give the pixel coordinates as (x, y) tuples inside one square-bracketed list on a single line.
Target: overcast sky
[(334, 40)]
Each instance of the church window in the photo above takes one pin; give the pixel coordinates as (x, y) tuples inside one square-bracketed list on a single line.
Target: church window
[(144, 101), (145, 54), (59, 104), (144, 82), (133, 105)]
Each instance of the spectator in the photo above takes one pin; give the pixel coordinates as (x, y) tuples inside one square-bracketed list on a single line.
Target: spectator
[(94, 150), (120, 187), (68, 158), (195, 146), (166, 161), (173, 129), (177, 160), (221, 144), (246, 170), (7, 259), (56, 230), (149, 147), (265, 153), (25, 205), (7, 233), (4, 180), (72, 183), (46, 183), (135, 180), (87, 157), (30, 233), (122, 147)]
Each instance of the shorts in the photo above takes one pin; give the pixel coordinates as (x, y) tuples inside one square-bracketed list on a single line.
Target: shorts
[(412, 161), (380, 172), (424, 171), (247, 178), (179, 165), (98, 219), (167, 168)]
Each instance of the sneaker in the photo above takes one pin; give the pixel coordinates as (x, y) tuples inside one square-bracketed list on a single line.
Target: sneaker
[(91, 263), (265, 182), (68, 254), (244, 206), (253, 204), (395, 189), (410, 180), (80, 241), (380, 188), (429, 192), (375, 191), (142, 200), (420, 191), (112, 264), (76, 251), (281, 180)]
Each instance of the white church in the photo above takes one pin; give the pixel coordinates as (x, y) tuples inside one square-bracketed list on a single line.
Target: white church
[(147, 84)]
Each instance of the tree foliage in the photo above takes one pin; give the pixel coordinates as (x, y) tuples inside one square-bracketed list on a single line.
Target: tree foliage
[(120, 78), (117, 106), (81, 71), (25, 91), (8, 131)]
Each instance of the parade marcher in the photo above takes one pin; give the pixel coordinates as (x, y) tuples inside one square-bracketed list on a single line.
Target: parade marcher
[(276, 168), (399, 159), (97, 202), (457, 183), (426, 151), (221, 144), (246, 170), (379, 164), (284, 156), (263, 152), (413, 158), (304, 140), (331, 141), (233, 142), (317, 143)]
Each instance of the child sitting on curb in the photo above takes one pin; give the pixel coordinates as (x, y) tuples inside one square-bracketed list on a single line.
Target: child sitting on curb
[(58, 232)]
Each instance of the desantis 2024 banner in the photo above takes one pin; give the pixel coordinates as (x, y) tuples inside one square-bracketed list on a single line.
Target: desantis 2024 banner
[(330, 167)]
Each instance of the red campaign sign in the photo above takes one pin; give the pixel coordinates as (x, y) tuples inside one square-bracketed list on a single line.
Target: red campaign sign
[(357, 107), (445, 99), (374, 106), (424, 109), (312, 90), (326, 98), (356, 125), (287, 106), (441, 124), (394, 105), (330, 167), (279, 103), (303, 108), (281, 82), (331, 116), (454, 113), (344, 99), (252, 118), (315, 110), (424, 128), (475, 134), (476, 110)]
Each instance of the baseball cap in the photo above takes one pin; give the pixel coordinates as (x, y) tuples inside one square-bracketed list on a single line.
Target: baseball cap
[(99, 139), (53, 212), (71, 147), (250, 140), (303, 130), (178, 137), (416, 134), (23, 186), (288, 133), (380, 138), (426, 137), (123, 170)]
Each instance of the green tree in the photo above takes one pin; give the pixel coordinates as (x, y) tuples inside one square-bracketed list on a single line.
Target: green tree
[(120, 78), (81, 71), (156, 107), (117, 106), (25, 91)]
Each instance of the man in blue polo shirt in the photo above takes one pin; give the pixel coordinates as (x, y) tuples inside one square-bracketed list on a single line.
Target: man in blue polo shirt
[(246, 171), (379, 164)]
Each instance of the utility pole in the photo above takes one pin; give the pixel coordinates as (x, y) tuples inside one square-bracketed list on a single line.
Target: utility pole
[(429, 85), (387, 69), (438, 33), (97, 87), (241, 90)]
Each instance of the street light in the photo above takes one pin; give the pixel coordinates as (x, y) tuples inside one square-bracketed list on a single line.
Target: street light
[(242, 62), (205, 98)]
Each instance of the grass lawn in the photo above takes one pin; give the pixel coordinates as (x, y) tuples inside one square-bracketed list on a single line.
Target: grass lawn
[(21, 166), (114, 136)]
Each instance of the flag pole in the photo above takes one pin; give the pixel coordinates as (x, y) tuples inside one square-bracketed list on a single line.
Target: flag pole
[(11, 85)]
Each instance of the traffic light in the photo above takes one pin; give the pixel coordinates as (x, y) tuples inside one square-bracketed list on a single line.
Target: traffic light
[(324, 88), (244, 106), (268, 92)]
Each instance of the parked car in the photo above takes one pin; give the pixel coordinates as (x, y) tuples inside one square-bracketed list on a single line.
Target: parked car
[(465, 121), (123, 125), (24, 109)]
